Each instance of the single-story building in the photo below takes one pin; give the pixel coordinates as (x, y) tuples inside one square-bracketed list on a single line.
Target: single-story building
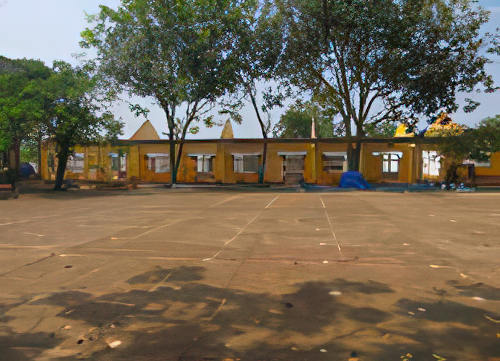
[(227, 160)]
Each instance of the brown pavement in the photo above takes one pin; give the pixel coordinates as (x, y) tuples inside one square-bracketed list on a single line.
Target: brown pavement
[(210, 275)]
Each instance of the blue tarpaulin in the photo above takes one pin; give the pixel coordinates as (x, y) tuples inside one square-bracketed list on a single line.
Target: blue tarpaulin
[(26, 170), (353, 179)]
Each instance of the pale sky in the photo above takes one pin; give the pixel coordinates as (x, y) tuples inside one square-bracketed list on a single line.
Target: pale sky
[(50, 30)]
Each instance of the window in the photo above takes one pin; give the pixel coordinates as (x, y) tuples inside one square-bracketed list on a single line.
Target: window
[(246, 163), (204, 163), (430, 163), (118, 162), (158, 162), (334, 161), (76, 163), (390, 162)]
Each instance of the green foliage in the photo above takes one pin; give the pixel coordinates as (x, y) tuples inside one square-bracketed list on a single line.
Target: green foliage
[(19, 111), (381, 130), (75, 106), (486, 138), (472, 143), (29, 151), (296, 122), (385, 60), (181, 53)]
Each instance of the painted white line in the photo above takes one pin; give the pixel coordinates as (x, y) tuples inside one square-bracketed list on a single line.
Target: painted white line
[(9, 223), (240, 231), (224, 201), (34, 234), (158, 285), (157, 228), (13, 246), (331, 227), (271, 203), (28, 220), (216, 311)]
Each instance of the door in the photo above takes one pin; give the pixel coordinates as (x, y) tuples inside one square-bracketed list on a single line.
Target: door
[(293, 169)]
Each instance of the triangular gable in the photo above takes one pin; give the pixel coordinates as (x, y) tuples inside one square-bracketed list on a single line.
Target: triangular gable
[(146, 132), (227, 131)]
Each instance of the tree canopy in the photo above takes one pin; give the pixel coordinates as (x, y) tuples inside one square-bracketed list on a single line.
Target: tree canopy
[(18, 113), (385, 60), (297, 122), (65, 104), (76, 112), (179, 53)]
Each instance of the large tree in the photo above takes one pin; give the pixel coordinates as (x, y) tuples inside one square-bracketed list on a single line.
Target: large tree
[(297, 121), (19, 119), (257, 52), (75, 102), (385, 60), (177, 52)]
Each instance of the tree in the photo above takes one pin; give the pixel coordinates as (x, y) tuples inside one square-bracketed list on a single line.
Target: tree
[(385, 60), (256, 55), (485, 138), (19, 117), (381, 130), (296, 122), (456, 145), (178, 53), (74, 102)]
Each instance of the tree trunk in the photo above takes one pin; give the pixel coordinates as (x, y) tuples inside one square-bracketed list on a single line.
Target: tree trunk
[(350, 155), (264, 135), (14, 155), (62, 161), (264, 161), (39, 158), (173, 171), (179, 155), (357, 150)]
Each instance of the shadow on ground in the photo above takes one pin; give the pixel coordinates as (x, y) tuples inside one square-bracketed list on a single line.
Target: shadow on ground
[(172, 315)]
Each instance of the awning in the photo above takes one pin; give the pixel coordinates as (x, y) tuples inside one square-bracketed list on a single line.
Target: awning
[(242, 154), (292, 153), (200, 155), (335, 154), (399, 154), (156, 155)]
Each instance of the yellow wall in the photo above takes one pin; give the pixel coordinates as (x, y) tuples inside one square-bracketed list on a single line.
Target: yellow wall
[(372, 164), (97, 165), (140, 165), (327, 177), (493, 169), (228, 163)]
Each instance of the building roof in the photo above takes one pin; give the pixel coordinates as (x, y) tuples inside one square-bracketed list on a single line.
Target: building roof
[(227, 131), (146, 132)]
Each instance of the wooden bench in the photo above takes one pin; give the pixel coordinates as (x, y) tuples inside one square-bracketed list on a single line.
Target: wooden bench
[(487, 180), (6, 192)]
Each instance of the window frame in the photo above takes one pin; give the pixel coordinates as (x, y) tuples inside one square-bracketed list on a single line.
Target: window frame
[(158, 163), (240, 159)]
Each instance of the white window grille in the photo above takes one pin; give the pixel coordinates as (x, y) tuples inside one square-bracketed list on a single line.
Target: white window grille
[(159, 162), (246, 163), (430, 163), (390, 162), (76, 163), (204, 163)]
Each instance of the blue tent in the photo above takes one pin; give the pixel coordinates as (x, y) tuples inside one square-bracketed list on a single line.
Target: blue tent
[(353, 179), (26, 170)]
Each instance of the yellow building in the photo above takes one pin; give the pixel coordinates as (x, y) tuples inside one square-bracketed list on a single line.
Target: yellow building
[(145, 157)]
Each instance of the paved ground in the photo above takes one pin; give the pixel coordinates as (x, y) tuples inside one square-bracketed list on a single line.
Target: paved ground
[(205, 275)]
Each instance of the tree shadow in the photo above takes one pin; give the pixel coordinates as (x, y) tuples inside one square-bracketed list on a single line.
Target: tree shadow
[(187, 320)]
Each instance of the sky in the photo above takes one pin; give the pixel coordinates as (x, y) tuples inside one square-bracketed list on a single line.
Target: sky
[(50, 30)]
